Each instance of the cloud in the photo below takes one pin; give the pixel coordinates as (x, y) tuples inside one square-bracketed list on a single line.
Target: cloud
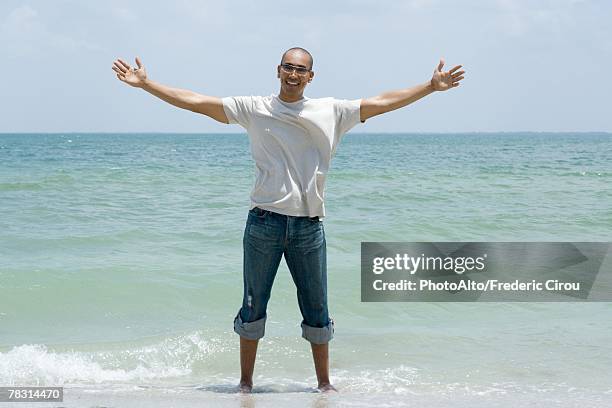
[(24, 34), (519, 18), (124, 14)]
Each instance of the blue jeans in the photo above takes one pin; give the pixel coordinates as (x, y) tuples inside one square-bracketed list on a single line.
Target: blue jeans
[(267, 237)]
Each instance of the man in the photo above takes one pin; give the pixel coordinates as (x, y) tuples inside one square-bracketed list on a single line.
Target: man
[(293, 139)]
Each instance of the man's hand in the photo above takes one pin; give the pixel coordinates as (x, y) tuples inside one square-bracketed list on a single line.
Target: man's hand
[(135, 77), (443, 81)]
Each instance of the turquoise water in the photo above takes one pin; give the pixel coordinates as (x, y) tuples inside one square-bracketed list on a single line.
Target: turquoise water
[(120, 266)]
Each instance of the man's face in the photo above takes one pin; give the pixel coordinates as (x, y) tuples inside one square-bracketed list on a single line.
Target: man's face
[(293, 82)]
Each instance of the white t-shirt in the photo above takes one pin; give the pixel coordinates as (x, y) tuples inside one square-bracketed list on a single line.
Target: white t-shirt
[(292, 144)]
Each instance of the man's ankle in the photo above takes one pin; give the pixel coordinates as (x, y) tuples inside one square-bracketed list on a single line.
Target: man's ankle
[(246, 381), (326, 387)]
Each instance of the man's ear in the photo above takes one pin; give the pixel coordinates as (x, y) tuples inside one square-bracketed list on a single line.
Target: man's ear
[(311, 76), (278, 71)]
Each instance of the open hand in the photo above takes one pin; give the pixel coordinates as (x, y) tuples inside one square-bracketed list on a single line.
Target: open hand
[(132, 76), (443, 81)]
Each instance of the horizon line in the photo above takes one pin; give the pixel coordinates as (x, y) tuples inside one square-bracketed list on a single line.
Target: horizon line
[(351, 133)]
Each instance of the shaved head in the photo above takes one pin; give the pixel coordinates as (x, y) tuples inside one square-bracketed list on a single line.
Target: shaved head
[(298, 49)]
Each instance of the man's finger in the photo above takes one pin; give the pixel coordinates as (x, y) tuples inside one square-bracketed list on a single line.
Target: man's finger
[(121, 78), (455, 68), (456, 74), (120, 67), (457, 79), (125, 64), (441, 64), (138, 63)]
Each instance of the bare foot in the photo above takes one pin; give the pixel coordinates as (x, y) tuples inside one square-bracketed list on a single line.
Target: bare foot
[(327, 388), (245, 388)]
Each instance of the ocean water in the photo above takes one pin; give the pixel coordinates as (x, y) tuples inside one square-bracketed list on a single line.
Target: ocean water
[(121, 262)]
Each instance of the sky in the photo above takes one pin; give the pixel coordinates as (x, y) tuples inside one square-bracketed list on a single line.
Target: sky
[(530, 65)]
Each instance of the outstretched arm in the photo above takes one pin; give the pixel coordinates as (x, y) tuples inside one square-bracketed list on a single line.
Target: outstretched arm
[(137, 77), (388, 101)]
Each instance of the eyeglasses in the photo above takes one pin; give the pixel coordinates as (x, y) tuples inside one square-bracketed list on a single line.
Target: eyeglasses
[(288, 68)]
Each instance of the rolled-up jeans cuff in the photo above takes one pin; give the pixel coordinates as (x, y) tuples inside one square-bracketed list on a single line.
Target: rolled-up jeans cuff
[(318, 335), (250, 330)]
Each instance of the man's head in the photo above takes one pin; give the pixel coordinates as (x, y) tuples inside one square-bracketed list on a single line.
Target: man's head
[(295, 72)]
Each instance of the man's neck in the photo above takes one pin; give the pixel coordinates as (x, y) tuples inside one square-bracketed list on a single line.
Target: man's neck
[(290, 98)]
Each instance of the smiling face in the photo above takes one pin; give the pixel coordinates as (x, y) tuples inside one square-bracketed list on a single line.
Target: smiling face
[(294, 82)]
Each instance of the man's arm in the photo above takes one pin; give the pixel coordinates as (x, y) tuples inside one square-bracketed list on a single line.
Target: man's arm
[(388, 101), (137, 77)]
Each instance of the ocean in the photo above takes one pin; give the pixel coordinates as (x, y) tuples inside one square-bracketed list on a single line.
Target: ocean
[(121, 271)]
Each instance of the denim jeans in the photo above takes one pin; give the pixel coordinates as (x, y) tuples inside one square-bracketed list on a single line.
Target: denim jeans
[(267, 237)]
